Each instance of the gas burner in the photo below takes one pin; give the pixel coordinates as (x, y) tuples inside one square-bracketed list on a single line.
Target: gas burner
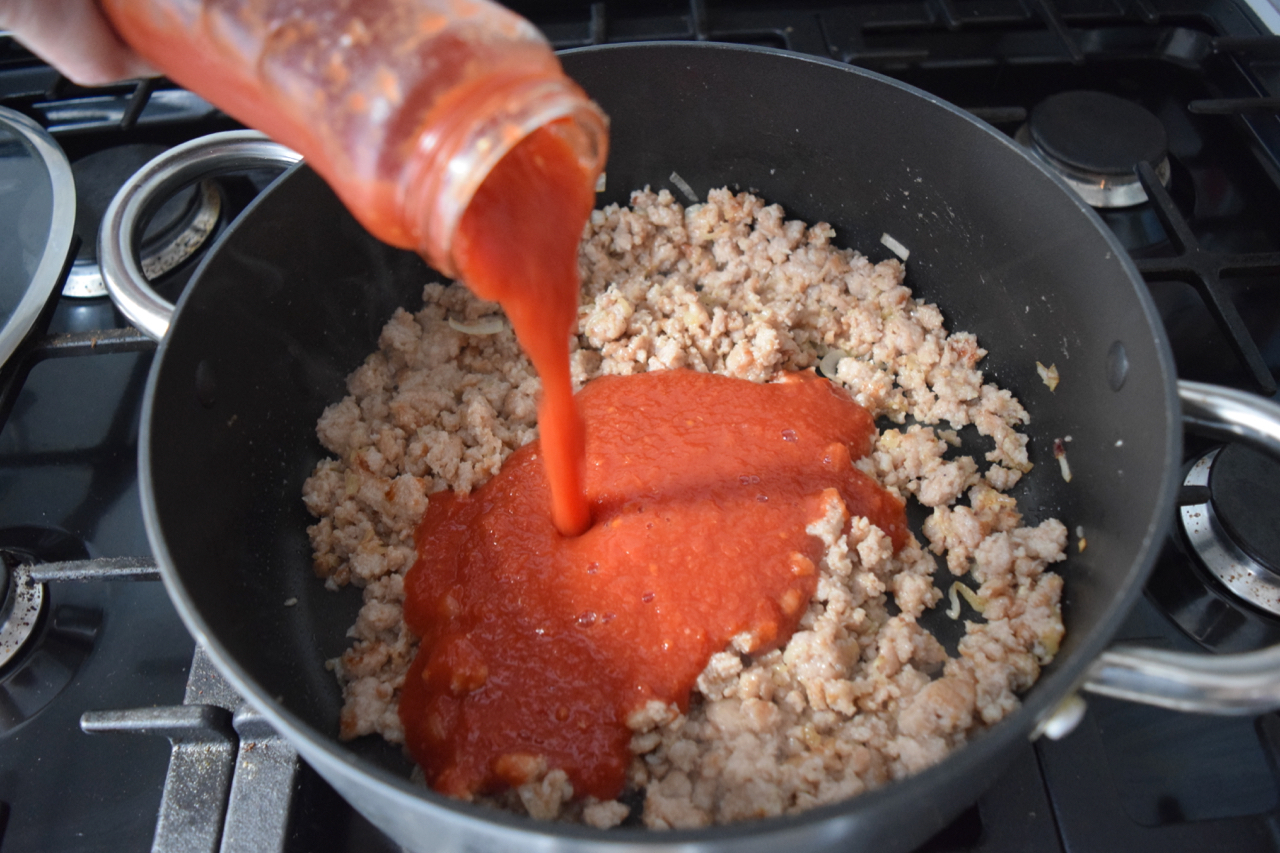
[(42, 642), (20, 611), (1230, 528), (177, 230), (1094, 141)]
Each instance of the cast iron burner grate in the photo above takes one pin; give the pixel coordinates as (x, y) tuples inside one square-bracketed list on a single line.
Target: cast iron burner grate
[(1205, 270)]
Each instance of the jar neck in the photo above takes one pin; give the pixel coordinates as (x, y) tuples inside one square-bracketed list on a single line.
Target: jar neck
[(462, 145)]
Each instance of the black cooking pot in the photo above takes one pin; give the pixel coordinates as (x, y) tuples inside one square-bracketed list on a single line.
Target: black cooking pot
[(295, 295)]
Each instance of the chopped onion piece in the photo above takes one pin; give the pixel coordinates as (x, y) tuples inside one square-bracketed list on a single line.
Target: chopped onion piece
[(894, 246), (683, 185), (483, 326), (830, 361), (601, 182), (1048, 375)]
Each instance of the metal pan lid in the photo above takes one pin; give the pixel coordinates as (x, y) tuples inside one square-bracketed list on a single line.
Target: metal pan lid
[(37, 218)]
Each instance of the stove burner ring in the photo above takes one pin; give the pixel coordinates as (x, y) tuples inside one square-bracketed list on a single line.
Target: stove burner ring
[(1207, 533), (185, 221), (1094, 141), (198, 159), (20, 614), (85, 279)]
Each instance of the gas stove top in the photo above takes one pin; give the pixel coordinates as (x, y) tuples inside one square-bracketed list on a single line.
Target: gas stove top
[(1192, 87)]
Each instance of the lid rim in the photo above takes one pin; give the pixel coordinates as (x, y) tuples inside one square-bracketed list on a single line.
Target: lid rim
[(62, 217)]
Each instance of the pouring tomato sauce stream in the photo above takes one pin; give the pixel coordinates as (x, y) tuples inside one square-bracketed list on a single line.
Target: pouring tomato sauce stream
[(600, 570), (517, 244)]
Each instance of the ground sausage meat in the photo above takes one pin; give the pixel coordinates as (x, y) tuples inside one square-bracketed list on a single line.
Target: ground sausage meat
[(861, 694)]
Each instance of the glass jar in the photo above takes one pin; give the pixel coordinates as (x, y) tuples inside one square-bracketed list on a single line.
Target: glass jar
[(402, 106)]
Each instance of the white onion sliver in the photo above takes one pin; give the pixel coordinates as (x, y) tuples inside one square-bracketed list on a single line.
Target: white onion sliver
[(977, 602), (894, 246), (953, 612), (601, 182), (683, 185), (483, 326), (830, 361)]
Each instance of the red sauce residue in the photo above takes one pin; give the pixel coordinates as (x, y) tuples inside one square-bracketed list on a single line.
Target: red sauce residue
[(535, 644), (517, 244)]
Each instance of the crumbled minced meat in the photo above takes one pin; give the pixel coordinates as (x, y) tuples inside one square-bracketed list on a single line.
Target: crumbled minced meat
[(860, 695)]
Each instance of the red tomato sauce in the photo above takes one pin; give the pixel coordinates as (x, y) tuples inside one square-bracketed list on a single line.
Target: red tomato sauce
[(699, 489), (517, 244)]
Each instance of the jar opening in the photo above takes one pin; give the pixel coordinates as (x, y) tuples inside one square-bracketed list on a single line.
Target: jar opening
[(460, 150)]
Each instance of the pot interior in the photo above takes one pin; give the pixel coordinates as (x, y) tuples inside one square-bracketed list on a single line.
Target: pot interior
[(294, 297)]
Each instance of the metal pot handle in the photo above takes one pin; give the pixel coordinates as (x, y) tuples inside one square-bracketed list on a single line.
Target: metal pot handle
[(1238, 684), (216, 153)]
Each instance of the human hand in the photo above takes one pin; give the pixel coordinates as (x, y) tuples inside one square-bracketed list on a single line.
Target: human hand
[(74, 37)]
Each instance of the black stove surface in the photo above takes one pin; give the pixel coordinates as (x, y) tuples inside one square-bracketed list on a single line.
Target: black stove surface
[(1128, 778)]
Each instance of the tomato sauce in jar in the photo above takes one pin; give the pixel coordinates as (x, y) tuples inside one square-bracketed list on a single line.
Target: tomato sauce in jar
[(538, 646)]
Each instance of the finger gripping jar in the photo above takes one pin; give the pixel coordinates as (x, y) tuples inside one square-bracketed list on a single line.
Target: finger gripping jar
[(402, 106)]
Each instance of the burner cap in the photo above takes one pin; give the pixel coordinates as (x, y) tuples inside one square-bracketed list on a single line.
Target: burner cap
[(1244, 486), (1094, 141), (1097, 133)]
